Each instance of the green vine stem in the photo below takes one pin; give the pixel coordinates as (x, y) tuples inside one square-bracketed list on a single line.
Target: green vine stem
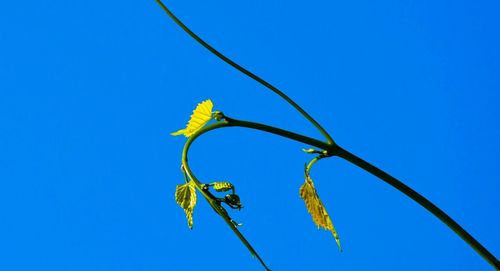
[(403, 188), (216, 206), (245, 71), (335, 150), (313, 161), (331, 148)]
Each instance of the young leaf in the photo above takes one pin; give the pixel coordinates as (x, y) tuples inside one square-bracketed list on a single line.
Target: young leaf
[(222, 186), (185, 196), (201, 115), (316, 208)]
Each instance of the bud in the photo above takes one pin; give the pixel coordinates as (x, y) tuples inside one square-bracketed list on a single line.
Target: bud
[(233, 201), (218, 116)]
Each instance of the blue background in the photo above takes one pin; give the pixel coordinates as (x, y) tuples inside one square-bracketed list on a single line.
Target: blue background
[(90, 90)]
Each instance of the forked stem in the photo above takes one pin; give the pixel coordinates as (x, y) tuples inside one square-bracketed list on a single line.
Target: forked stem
[(335, 150), (330, 146), (245, 71)]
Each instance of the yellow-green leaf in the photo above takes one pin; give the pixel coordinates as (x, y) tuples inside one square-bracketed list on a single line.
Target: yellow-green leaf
[(316, 208), (222, 186), (185, 196), (201, 115)]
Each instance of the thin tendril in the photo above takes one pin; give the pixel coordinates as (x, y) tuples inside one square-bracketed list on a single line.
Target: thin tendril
[(246, 72)]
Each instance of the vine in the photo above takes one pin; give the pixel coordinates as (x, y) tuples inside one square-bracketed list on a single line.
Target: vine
[(203, 114)]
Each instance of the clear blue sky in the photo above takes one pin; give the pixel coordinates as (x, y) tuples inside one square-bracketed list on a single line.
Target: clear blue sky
[(90, 90)]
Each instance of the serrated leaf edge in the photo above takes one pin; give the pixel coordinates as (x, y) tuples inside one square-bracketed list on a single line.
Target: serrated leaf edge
[(185, 196), (316, 208)]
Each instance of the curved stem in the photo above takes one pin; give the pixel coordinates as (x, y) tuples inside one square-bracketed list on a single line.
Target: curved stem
[(423, 202), (229, 122), (342, 153), (281, 132), (245, 71), (331, 147), (312, 162), (215, 205)]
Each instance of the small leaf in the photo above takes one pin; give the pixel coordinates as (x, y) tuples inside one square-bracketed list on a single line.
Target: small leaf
[(222, 186), (185, 196), (316, 208), (201, 115)]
